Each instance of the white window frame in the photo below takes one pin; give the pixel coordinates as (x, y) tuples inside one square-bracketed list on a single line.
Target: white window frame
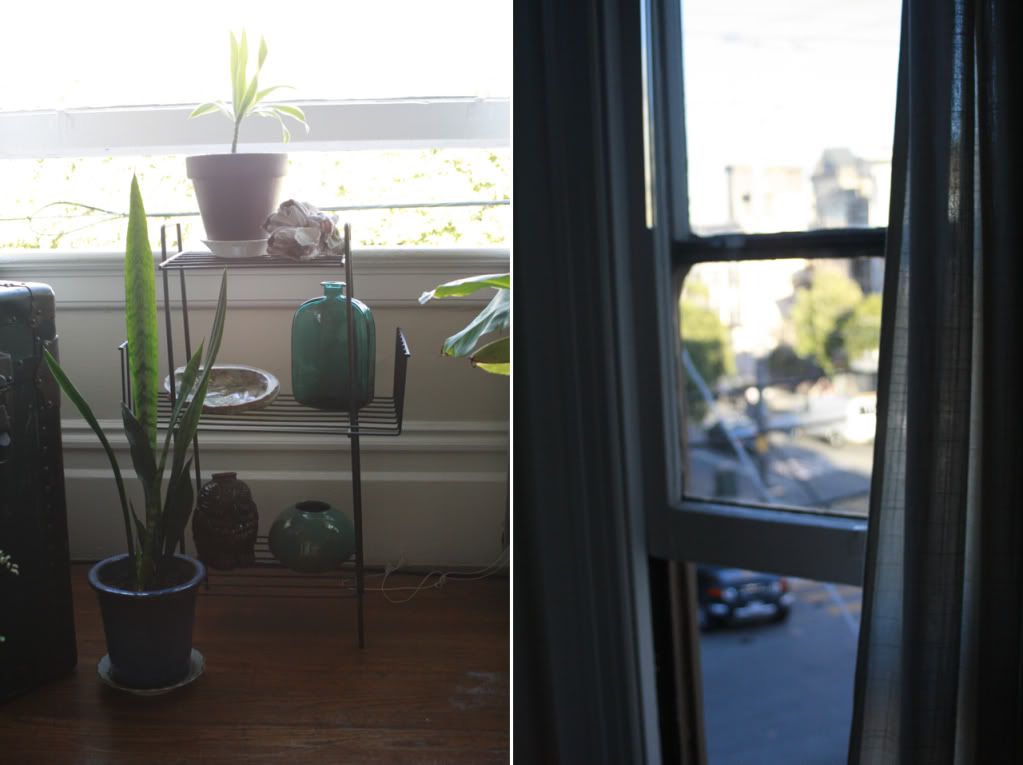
[(827, 547), (403, 123)]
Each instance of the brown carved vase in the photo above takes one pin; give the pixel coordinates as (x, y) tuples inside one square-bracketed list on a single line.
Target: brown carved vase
[(225, 523)]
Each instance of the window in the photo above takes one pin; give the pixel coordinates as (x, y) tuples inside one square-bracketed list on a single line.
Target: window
[(774, 171), (410, 142)]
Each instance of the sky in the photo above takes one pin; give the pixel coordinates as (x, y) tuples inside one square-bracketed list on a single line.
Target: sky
[(768, 82), (775, 82), (139, 52)]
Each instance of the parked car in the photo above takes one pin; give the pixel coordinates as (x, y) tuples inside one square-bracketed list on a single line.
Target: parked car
[(733, 596)]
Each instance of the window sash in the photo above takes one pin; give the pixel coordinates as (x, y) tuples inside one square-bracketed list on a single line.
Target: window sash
[(814, 545), (334, 125)]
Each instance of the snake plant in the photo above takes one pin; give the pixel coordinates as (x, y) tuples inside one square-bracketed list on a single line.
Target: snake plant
[(154, 536), (246, 97)]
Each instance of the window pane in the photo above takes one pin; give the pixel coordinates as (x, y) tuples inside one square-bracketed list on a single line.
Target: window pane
[(790, 112), (108, 53), (781, 359), (62, 203), (778, 658)]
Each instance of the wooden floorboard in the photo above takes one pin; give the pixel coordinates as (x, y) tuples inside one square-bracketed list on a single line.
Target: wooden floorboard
[(286, 682)]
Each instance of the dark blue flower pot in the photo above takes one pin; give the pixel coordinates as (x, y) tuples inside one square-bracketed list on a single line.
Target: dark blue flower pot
[(149, 634)]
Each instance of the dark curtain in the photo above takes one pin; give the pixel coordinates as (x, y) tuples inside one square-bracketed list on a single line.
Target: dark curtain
[(940, 670)]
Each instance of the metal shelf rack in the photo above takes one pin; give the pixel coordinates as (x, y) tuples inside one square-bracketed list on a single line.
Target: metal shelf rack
[(383, 416)]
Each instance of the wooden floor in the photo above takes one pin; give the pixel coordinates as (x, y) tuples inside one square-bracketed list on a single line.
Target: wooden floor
[(286, 682)]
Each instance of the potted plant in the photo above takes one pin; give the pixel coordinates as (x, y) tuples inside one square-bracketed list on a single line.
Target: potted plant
[(147, 596), (237, 192), (495, 356)]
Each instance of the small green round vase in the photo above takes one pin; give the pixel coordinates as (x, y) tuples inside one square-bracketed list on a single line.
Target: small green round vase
[(312, 537)]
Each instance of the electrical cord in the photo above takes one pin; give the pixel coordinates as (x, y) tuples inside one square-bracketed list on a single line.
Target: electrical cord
[(440, 578)]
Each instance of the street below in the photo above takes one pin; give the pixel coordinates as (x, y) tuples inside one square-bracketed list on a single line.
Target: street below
[(781, 693)]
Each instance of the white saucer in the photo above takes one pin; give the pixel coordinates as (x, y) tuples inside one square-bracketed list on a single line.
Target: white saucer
[(196, 666), (245, 248)]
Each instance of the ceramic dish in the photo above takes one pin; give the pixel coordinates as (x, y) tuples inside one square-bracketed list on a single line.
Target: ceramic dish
[(196, 666), (248, 248), (234, 388)]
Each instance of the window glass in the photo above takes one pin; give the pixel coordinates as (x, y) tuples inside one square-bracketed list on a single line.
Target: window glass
[(778, 657), (67, 204), (111, 53), (790, 110), (780, 359)]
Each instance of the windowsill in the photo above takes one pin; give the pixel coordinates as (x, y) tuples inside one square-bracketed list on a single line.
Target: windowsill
[(385, 277)]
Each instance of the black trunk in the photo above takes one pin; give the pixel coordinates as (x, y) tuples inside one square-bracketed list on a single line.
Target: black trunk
[(36, 617)]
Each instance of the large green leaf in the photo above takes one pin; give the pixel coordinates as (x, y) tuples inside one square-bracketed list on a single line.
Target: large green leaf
[(86, 411), (467, 286), (140, 311), (493, 318), (494, 357)]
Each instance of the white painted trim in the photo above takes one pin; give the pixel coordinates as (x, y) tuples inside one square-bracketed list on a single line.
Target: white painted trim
[(385, 278), (422, 436), (335, 125), (325, 476)]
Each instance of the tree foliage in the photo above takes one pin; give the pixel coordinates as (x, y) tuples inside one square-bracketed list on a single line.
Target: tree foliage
[(708, 342), (817, 313)]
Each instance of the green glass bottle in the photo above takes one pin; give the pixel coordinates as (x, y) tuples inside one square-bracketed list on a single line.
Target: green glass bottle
[(319, 351)]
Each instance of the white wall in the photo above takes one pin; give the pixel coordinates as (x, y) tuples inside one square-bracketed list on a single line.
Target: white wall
[(435, 495)]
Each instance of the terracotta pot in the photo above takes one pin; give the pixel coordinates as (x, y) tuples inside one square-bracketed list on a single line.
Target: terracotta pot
[(149, 634), (236, 192)]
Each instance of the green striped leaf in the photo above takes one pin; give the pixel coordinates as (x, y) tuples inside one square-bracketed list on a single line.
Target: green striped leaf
[(140, 314)]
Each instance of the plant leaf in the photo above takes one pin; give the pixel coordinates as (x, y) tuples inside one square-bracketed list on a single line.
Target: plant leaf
[(141, 455), (467, 286), (177, 508), (234, 72), (140, 315), (247, 99), (86, 411), (208, 108), (140, 527), (494, 357), (291, 111), (262, 53), (189, 421), (267, 91), (217, 331), (493, 318), (181, 396)]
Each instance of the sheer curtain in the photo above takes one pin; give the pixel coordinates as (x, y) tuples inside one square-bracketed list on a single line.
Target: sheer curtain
[(940, 669)]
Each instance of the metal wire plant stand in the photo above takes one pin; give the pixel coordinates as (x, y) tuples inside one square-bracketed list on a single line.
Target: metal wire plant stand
[(383, 416)]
